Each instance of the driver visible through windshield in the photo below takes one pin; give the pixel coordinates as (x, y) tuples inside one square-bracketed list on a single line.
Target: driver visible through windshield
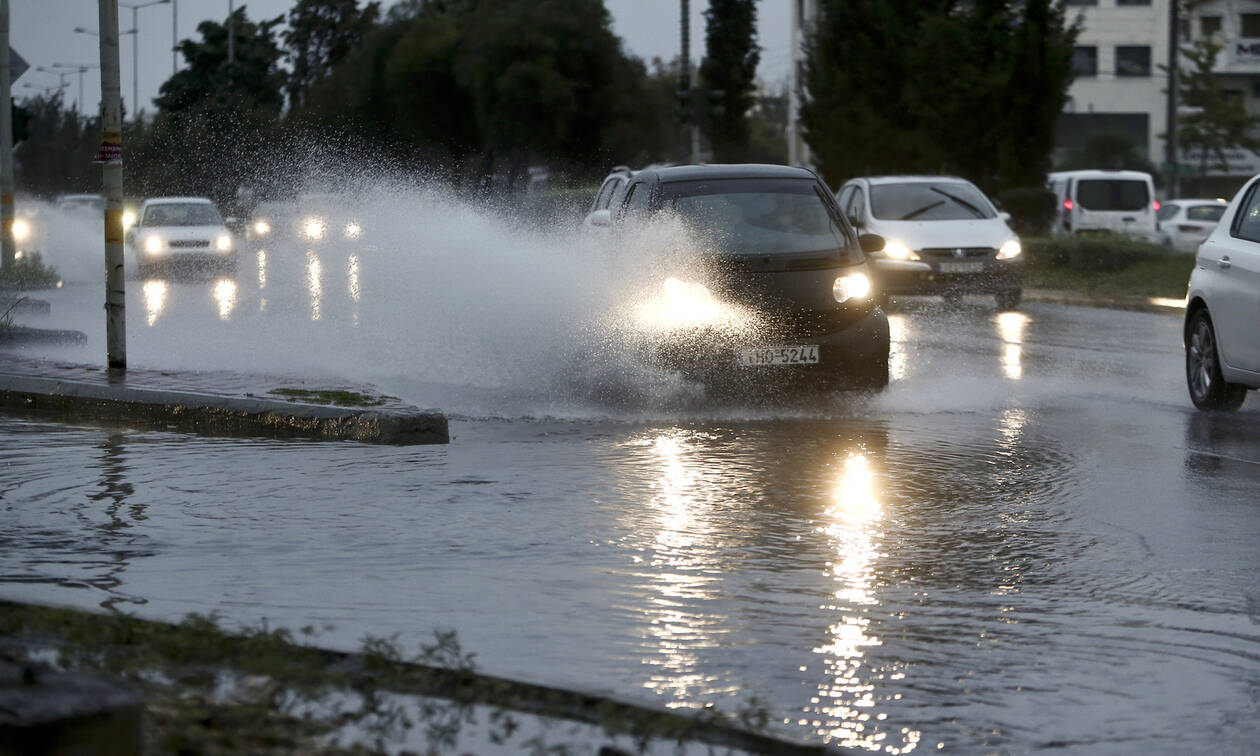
[(761, 216), (183, 214), (929, 201)]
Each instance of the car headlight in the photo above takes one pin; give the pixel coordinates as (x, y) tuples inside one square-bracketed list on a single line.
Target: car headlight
[(21, 229), (262, 227), (154, 244), (852, 286), (353, 230), (129, 219), (223, 243), (1010, 250), (896, 250), (313, 228)]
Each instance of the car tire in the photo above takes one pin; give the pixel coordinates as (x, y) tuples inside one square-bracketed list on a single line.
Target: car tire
[(1208, 388), (1009, 299)]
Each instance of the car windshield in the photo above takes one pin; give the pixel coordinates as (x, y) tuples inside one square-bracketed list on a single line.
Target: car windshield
[(759, 216), (929, 201), (1112, 194), (1211, 213), (83, 204), (1166, 212), (182, 214)]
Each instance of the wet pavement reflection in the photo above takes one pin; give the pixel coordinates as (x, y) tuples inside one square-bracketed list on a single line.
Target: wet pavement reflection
[(1029, 542)]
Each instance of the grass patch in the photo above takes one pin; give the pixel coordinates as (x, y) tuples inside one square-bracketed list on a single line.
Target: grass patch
[(1106, 266), (261, 691), (29, 273), (339, 398)]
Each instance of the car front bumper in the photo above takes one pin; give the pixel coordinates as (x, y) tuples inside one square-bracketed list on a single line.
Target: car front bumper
[(912, 277)]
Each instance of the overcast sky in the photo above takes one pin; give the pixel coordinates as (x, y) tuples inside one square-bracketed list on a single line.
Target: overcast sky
[(42, 31)]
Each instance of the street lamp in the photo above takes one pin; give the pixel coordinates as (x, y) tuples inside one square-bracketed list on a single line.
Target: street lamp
[(80, 68), (135, 47)]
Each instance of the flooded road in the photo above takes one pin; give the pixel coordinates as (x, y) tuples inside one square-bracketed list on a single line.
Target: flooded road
[(1029, 542)]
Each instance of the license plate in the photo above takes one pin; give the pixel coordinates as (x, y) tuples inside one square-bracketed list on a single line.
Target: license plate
[(777, 355), (962, 267)]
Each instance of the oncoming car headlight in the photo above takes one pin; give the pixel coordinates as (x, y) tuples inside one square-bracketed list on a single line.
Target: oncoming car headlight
[(852, 286), (129, 219), (313, 228), (262, 227), (153, 244), (1010, 250), (897, 250), (353, 230), (21, 229), (223, 243)]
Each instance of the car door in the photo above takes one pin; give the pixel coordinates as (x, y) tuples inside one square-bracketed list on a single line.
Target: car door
[(1233, 261)]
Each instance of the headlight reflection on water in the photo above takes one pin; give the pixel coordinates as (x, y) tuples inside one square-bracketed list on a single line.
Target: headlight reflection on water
[(1011, 327), (154, 300), (225, 297), (844, 709), (314, 283)]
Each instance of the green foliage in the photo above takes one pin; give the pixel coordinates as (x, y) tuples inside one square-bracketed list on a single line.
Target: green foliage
[(28, 273), (1218, 122), (727, 76), (1089, 254), (899, 86), (57, 154), (21, 122), (1032, 208), (252, 81), (321, 34), (1106, 266)]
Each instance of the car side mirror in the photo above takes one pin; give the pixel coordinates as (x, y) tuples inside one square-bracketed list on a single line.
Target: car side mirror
[(871, 243), (1005, 216), (601, 218)]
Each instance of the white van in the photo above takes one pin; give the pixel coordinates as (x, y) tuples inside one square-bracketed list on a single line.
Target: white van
[(1120, 202)]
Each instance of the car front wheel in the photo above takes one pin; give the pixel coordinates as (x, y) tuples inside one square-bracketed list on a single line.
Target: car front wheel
[(1208, 388)]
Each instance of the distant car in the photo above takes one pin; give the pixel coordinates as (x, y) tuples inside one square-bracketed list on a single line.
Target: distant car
[(941, 234), (85, 204), (1184, 224), (327, 219), (1104, 202), (781, 296), (271, 222), (609, 195), (181, 231), (1221, 336)]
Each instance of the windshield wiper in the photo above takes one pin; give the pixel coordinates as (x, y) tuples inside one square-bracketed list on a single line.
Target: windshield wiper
[(978, 212), (921, 211)]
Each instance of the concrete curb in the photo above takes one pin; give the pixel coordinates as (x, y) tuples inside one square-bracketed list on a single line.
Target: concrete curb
[(1077, 299), (220, 415)]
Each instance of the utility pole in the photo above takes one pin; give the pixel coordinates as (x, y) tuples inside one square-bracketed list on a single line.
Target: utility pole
[(112, 178), (686, 89), (232, 34), (1170, 128), (8, 250), (174, 36)]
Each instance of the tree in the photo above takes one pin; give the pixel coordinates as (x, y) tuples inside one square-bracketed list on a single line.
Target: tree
[(56, 156), (1217, 122), (974, 88), (321, 34), (252, 80), (727, 74)]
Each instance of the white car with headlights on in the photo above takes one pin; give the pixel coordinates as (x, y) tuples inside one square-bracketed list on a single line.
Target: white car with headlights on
[(1222, 326), (774, 290), (942, 236), (181, 232)]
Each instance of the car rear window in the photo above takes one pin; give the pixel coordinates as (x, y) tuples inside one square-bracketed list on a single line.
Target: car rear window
[(929, 201), (1167, 211), (757, 216), (1112, 194), (1210, 213)]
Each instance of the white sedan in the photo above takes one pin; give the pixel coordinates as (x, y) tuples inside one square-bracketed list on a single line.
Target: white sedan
[(176, 231), (1184, 224), (1221, 336)]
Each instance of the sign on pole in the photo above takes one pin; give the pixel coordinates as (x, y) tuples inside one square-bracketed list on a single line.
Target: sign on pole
[(17, 66)]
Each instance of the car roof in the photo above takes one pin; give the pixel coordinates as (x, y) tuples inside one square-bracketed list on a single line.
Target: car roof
[(727, 171), (1196, 201), (913, 179), (1100, 173), (177, 200)]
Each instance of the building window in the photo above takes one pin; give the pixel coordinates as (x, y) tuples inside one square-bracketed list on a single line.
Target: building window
[(1133, 60), (1081, 2), (1085, 61), (1183, 30), (1209, 26), (1250, 25), (1133, 2)]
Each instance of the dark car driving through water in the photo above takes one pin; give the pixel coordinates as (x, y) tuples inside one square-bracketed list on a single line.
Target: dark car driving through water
[(780, 293)]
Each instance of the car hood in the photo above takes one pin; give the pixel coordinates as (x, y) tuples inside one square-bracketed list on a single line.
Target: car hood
[(989, 232), (184, 233)]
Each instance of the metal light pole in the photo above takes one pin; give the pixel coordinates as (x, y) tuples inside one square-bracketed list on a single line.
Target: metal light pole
[(135, 51), (8, 250), (231, 25), (1170, 127), (82, 30), (112, 178), (61, 78), (79, 68), (174, 35)]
